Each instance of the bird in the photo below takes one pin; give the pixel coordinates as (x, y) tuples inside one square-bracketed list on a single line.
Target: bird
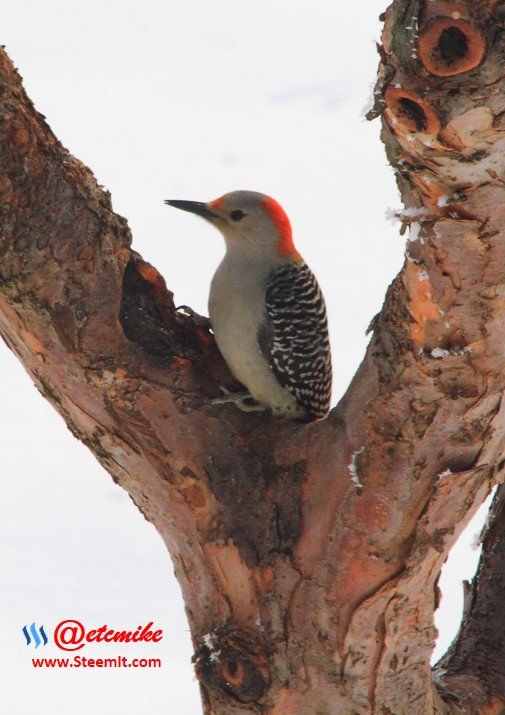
[(266, 308)]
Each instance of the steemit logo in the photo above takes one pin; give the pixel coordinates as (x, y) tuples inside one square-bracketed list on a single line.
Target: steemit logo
[(38, 636)]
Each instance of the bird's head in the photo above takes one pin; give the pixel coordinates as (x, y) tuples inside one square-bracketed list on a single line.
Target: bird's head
[(248, 221)]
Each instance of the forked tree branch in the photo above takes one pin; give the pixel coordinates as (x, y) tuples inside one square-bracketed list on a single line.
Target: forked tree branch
[(308, 555)]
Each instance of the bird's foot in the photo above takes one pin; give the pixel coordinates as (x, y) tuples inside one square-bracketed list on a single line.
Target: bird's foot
[(240, 399), (198, 319)]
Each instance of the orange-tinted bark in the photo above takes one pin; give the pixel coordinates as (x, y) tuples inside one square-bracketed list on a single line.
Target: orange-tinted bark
[(308, 554)]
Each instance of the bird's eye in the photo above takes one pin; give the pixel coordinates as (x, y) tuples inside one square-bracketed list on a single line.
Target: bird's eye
[(237, 215)]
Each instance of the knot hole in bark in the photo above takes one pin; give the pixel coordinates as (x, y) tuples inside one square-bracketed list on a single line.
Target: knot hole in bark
[(231, 661), (449, 46), (148, 317), (147, 311), (407, 110), (412, 112), (452, 45)]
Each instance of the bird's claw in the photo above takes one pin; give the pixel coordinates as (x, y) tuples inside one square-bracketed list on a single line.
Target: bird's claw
[(198, 319), (238, 399)]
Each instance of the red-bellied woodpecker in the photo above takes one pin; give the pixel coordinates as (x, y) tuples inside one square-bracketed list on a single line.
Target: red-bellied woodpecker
[(266, 308)]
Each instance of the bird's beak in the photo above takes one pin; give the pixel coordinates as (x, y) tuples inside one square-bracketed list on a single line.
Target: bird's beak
[(194, 207)]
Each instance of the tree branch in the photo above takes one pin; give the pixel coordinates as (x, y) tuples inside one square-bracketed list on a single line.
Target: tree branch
[(308, 555), (479, 650)]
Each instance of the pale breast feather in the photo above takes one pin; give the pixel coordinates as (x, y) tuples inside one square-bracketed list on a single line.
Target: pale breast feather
[(294, 337)]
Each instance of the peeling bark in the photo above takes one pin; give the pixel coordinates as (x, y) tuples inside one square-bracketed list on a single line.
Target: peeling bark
[(308, 554)]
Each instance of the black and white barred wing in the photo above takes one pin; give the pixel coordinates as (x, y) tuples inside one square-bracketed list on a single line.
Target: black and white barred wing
[(295, 339)]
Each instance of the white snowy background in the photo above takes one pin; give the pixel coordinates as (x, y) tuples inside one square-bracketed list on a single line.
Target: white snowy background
[(181, 99)]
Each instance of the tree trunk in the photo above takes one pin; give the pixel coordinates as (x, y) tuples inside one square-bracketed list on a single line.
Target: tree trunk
[(308, 554)]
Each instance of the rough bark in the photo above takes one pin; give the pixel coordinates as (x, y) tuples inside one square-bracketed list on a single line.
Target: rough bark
[(308, 555), (478, 653)]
